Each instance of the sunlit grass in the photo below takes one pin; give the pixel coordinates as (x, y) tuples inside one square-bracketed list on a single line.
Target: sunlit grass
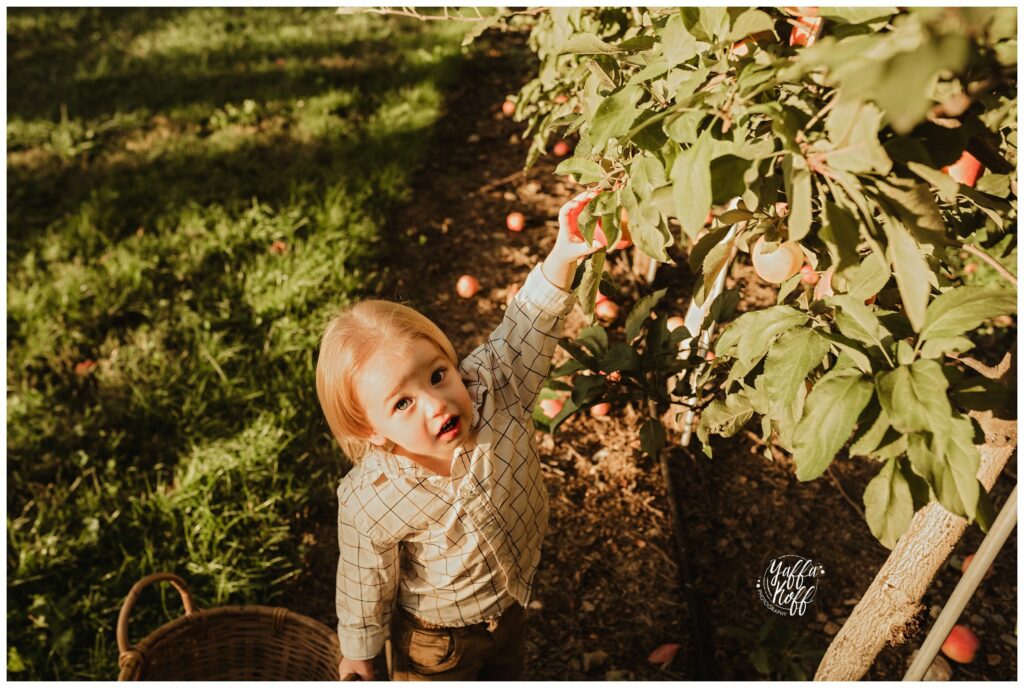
[(191, 193)]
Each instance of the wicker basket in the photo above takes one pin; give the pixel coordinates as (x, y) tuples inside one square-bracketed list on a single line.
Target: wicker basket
[(241, 643)]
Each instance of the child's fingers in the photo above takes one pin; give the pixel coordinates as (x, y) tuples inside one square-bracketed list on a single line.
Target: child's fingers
[(570, 212)]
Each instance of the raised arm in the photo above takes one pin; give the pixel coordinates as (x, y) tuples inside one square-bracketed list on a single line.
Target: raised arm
[(516, 358)]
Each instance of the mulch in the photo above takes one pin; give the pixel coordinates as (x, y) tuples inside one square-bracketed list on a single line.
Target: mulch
[(607, 591)]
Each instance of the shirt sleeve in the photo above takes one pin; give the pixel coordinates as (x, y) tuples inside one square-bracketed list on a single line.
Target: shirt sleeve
[(366, 585), (516, 359)]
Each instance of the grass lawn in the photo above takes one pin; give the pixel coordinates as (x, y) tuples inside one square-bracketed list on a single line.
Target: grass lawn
[(191, 193)]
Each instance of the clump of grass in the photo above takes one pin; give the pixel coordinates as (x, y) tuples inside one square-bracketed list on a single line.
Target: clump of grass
[(191, 193)]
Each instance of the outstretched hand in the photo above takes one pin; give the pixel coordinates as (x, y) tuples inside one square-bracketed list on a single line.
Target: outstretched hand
[(570, 244)]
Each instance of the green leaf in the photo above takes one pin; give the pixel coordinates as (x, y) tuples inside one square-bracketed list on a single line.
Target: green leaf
[(856, 15), (587, 388), (727, 177), (637, 44), (949, 462), (946, 186), (749, 336), (767, 324), (550, 425), (869, 277), (619, 357), (833, 407), (790, 360), (985, 513), (587, 44), (851, 349), (911, 271), (568, 368), (677, 43), (614, 116), (963, 309), (726, 418), (640, 313), (703, 247), (691, 185), (586, 292), (888, 504), (853, 130), (750, 22), (588, 171), (871, 429), (652, 437), (841, 235), (646, 174), (915, 396), (937, 348), (857, 321), (595, 338), (798, 191)]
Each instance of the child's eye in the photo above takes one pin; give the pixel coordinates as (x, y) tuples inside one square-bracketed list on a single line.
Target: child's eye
[(402, 404), (438, 375)]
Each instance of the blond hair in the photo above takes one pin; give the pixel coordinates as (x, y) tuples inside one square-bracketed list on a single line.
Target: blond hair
[(350, 339)]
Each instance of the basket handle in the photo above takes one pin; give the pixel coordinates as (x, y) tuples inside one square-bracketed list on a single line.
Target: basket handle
[(133, 595)]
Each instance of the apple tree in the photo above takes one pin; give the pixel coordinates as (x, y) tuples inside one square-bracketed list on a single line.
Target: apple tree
[(838, 154)]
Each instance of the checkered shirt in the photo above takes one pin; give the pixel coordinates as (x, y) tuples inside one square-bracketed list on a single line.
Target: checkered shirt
[(461, 549)]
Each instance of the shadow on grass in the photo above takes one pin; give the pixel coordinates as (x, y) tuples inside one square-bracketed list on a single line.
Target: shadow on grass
[(42, 66), (145, 188)]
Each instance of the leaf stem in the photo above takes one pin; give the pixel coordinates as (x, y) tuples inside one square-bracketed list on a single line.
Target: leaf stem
[(996, 265)]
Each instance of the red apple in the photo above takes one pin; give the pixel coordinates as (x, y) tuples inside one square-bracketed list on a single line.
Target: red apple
[(808, 276), (967, 562), (966, 170), (85, 367), (806, 30), (515, 221), (779, 265), (509, 107), (560, 149), (600, 297), (600, 410), (561, 98), (551, 407), (467, 286), (674, 322), (278, 247), (961, 644), (601, 239), (606, 310)]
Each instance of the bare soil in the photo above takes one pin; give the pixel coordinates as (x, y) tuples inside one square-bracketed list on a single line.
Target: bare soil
[(607, 592)]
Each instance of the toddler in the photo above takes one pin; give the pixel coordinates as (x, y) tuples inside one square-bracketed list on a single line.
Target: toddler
[(441, 518)]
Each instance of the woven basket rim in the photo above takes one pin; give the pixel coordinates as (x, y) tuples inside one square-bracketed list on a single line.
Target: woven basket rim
[(256, 610)]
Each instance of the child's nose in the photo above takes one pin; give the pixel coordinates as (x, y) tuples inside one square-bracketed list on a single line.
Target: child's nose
[(436, 406)]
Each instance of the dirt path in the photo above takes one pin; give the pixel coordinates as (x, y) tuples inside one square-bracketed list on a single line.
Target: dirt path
[(606, 590)]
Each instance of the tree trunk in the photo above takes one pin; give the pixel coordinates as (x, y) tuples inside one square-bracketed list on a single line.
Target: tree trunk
[(887, 612)]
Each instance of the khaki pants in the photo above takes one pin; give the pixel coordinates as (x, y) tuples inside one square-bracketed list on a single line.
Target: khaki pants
[(418, 653)]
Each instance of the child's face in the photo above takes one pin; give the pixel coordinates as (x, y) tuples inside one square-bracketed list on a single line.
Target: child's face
[(409, 393)]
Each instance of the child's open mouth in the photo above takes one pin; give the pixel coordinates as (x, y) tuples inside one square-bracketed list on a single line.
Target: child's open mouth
[(450, 429)]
